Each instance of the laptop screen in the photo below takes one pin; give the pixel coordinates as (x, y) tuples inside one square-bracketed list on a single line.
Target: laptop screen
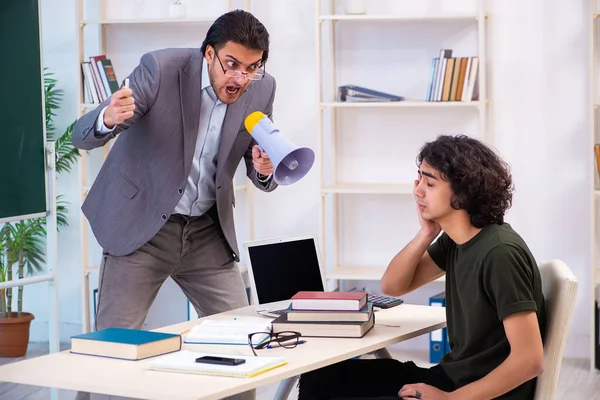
[(282, 269)]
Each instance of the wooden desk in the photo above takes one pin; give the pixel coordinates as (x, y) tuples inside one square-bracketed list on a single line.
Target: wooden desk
[(64, 370)]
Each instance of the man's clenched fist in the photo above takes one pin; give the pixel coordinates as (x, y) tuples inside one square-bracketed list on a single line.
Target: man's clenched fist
[(120, 108)]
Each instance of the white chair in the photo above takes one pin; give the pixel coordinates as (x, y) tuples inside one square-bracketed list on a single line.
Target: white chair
[(559, 286)]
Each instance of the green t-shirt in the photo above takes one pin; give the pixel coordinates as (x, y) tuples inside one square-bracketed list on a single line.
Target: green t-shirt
[(488, 278)]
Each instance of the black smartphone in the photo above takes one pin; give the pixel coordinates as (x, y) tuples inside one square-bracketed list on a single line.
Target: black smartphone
[(220, 360)]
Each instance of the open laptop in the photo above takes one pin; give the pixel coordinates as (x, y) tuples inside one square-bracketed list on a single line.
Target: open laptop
[(279, 268)]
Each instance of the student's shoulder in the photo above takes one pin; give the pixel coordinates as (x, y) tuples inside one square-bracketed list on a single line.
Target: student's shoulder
[(504, 236), (507, 244)]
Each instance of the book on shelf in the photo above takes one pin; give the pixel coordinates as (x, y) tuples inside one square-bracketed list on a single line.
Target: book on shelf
[(90, 93), (332, 301), (185, 362), (124, 343), (351, 329), (597, 158), (98, 84), (453, 78), (99, 78)]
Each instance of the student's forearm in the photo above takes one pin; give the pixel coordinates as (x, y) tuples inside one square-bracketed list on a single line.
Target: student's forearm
[(511, 373), (400, 272)]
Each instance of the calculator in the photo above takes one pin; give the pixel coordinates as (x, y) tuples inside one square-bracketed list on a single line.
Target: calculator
[(384, 301)]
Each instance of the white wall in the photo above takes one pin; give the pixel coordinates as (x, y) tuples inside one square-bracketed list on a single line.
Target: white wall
[(539, 73)]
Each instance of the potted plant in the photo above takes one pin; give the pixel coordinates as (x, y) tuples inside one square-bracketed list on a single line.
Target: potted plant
[(22, 243)]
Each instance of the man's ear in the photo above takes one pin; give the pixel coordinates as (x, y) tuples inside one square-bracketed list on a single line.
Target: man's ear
[(209, 53)]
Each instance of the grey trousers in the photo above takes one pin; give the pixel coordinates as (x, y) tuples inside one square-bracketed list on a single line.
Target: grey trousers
[(190, 250)]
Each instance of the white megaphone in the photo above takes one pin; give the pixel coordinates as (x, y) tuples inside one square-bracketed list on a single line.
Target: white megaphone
[(290, 162)]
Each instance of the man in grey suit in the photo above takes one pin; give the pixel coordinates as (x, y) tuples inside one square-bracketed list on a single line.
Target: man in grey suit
[(162, 203)]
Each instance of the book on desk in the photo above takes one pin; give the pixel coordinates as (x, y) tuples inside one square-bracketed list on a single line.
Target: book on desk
[(185, 361), (327, 314), (330, 301), (125, 344), (229, 331)]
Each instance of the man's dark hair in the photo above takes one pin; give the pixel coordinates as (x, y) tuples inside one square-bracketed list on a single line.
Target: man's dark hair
[(241, 27), (480, 180)]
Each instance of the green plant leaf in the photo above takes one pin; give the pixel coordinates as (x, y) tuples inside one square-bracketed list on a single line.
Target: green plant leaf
[(52, 97), (62, 211), (67, 154)]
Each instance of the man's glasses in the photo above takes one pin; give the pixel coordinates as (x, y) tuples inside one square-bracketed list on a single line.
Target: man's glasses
[(253, 76), (262, 340)]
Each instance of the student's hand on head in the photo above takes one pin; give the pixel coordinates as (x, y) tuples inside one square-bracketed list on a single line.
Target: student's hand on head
[(430, 228), (120, 108), (424, 392), (261, 161)]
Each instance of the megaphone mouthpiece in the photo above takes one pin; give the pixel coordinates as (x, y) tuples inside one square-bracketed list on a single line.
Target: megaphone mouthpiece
[(253, 119)]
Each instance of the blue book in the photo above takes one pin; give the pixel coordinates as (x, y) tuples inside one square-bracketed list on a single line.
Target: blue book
[(126, 344)]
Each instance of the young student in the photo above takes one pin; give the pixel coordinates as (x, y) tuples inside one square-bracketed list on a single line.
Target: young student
[(494, 303)]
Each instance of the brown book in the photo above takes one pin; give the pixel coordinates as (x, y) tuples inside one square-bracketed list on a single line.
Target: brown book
[(597, 152), (448, 79), (455, 76)]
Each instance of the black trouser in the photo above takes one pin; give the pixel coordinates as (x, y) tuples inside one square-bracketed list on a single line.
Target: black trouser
[(370, 378)]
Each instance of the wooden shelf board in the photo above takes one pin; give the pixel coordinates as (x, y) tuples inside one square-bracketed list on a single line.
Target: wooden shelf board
[(145, 21), (361, 274), (405, 103), (356, 273), (370, 188), (392, 17)]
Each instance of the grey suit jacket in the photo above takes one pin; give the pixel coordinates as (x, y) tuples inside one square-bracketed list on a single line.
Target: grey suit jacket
[(139, 184)]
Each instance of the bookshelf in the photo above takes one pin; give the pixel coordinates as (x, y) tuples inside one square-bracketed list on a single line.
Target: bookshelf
[(344, 45), (98, 27), (594, 138)]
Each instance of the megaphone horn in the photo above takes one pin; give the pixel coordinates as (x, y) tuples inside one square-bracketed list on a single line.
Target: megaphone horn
[(290, 162)]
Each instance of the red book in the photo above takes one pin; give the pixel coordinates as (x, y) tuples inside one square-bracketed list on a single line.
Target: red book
[(334, 301)]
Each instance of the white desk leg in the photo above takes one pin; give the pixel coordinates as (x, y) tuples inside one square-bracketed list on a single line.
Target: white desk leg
[(382, 353), (285, 387)]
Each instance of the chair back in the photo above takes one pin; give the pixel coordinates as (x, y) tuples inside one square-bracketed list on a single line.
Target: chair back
[(559, 286)]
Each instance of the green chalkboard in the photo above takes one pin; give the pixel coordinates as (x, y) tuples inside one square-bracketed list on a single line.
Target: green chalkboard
[(22, 137)]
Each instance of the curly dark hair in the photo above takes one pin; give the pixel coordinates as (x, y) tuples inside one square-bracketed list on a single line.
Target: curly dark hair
[(240, 27), (480, 180)]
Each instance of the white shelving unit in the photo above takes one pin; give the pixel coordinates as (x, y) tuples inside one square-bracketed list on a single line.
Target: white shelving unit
[(334, 190), (102, 24), (594, 279)]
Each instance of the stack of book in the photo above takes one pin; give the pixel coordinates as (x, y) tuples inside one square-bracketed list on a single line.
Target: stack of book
[(327, 314), (453, 78), (99, 79)]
